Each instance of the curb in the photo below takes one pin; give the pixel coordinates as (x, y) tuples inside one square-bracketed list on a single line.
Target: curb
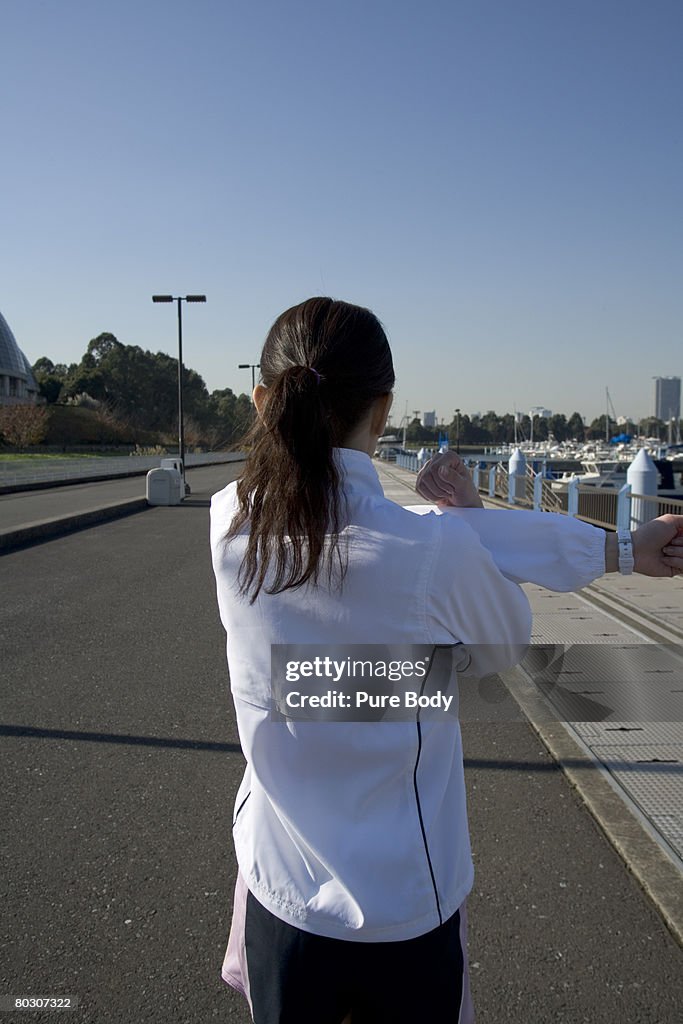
[(45, 529), (656, 873)]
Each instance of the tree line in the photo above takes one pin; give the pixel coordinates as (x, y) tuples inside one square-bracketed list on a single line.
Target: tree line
[(139, 389), (490, 428)]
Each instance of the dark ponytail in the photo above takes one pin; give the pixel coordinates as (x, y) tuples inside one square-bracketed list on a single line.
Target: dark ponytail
[(324, 362)]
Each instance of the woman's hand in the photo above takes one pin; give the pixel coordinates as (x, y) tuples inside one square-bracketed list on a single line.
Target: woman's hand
[(446, 481), (658, 547)]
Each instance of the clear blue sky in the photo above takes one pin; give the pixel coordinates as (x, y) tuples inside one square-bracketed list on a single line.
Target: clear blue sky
[(500, 180)]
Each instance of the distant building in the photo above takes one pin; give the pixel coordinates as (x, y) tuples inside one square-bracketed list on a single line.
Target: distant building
[(17, 383), (667, 398), (429, 419)]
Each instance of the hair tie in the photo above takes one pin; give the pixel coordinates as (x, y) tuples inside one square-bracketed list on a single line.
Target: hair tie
[(315, 373)]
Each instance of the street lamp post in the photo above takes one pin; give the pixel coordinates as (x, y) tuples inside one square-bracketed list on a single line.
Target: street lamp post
[(181, 423), (457, 431), (252, 367)]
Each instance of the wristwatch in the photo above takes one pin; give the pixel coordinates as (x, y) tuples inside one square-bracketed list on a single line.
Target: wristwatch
[(625, 543)]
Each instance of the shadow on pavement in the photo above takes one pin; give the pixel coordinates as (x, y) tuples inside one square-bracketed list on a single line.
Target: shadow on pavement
[(122, 738)]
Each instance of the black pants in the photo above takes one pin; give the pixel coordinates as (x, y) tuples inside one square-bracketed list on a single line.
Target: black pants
[(299, 978)]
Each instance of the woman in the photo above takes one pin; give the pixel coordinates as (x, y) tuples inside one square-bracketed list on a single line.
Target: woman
[(351, 836)]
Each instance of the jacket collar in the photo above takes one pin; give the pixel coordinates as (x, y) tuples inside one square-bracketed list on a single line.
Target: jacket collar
[(358, 473)]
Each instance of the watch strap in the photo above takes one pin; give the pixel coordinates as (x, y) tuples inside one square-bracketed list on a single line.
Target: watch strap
[(625, 544)]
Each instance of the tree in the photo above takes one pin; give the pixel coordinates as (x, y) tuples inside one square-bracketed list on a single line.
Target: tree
[(490, 422), (472, 432), (417, 434), (23, 425), (103, 346), (507, 428), (84, 380), (140, 385), (575, 428), (652, 427), (540, 428), (557, 426), (602, 427), (43, 365), (50, 388), (139, 389), (49, 378)]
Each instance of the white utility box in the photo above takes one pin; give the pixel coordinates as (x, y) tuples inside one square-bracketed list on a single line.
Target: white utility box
[(164, 487), (172, 463)]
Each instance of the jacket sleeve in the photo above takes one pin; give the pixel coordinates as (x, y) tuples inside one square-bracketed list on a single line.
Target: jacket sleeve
[(473, 600), (551, 550)]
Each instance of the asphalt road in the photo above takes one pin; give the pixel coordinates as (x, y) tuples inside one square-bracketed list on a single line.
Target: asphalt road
[(120, 764), (118, 869)]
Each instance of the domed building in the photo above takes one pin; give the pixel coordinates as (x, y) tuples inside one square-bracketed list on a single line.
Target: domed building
[(17, 383)]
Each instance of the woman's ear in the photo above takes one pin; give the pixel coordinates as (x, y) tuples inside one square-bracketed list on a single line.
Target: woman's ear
[(260, 397)]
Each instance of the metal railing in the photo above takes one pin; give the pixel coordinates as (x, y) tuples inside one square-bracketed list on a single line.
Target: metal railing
[(600, 507), (502, 480), (533, 492), (657, 506), (410, 462), (551, 501)]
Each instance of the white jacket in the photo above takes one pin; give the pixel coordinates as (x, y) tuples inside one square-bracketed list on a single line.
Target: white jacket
[(358, 830)]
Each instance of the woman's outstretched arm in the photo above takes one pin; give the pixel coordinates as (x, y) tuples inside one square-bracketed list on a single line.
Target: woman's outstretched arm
[(554, 551)]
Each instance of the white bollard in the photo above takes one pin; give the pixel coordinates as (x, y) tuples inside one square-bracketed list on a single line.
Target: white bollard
[(573, 498), (642, 476), (517, 477), (538, 492), (492, 482)]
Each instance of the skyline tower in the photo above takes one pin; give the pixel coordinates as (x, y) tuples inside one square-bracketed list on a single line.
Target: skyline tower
[(667, 398)]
